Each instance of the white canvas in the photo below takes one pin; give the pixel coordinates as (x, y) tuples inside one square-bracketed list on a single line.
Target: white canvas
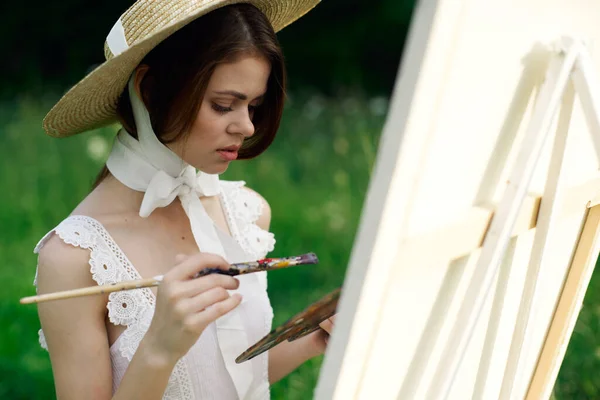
[(463, 100)]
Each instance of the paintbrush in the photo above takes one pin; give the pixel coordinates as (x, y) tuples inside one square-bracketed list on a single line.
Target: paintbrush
[(267, 264)]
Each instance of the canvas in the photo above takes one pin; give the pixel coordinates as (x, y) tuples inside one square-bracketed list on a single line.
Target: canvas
[(436, 304)]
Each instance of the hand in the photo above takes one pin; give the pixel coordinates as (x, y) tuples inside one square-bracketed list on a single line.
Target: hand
[(320, 338), (186, 306)]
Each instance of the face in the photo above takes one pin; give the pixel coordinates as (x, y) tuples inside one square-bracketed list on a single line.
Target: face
[(225, 116)]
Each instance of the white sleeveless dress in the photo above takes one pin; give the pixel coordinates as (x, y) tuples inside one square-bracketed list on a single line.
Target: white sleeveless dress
[(208, 371)]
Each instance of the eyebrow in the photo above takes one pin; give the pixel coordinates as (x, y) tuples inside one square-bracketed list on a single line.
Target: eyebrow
[(237, 95)]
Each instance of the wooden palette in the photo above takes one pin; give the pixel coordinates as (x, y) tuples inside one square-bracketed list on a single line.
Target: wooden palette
[(296, 327)]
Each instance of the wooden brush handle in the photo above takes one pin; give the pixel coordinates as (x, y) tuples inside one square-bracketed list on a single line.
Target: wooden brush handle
[(266, 264), (92, 290)]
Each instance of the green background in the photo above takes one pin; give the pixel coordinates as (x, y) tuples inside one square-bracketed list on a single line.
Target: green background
[(314, 176)]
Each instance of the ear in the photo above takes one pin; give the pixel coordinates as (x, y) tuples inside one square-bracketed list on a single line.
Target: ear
[(140, 73)]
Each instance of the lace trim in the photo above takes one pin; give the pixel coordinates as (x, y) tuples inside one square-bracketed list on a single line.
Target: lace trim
[(242, 210), (134, 308)]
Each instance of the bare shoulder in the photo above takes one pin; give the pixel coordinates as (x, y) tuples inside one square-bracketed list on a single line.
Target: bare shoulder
[(264, 220), (62, 266), (74, 329)]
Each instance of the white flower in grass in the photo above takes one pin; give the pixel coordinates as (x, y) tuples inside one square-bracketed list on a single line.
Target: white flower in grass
[(335, 216), (378, 105), (97, 148), (314, 107), (351, 105), (341, 145), (312, 214), (336, 222), (340, 177)]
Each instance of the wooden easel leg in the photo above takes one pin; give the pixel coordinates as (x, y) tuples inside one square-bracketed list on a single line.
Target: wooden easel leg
[(498, 235), (567, 310), (539, 253)]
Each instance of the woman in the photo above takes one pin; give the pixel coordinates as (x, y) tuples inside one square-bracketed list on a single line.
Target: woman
[(195, 85)]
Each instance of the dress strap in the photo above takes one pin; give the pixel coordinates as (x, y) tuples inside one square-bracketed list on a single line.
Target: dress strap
[(133, 308), (242, 209), (109, 265)]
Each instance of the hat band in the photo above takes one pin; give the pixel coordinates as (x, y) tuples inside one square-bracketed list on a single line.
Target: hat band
[(116, 41)]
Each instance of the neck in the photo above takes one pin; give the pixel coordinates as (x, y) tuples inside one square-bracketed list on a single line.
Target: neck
[(126, 201)]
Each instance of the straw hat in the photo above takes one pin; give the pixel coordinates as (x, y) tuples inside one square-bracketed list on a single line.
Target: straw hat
[(92, 102)]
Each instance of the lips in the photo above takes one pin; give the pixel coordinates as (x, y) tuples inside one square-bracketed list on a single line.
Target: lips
[(230, 148), (229, 153)]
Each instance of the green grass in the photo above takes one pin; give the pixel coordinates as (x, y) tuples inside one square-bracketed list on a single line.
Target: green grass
[(314, 176)]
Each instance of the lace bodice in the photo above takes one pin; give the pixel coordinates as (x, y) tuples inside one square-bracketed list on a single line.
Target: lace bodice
[(208, 370)]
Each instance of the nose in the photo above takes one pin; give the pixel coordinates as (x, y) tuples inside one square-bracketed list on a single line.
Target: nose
[(244, 125)]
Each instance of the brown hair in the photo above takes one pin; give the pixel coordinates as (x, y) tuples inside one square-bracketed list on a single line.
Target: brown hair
[(180, 68)]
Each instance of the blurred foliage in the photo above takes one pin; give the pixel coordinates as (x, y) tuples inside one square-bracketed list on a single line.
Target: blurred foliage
[(339, 44), (314, 176), (578, 378)]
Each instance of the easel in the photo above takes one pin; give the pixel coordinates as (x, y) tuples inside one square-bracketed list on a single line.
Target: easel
[(362, 375), (571, 61)]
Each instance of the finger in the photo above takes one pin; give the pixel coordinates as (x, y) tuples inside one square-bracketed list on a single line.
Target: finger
[(326, 325), (196, 286), (205, 299), (195, 263), (217, 310)]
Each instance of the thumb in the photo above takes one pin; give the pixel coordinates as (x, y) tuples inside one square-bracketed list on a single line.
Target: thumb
[(326, 325)]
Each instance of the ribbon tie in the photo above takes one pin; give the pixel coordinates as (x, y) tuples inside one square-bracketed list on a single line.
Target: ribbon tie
[(148, 166), (163, 189)]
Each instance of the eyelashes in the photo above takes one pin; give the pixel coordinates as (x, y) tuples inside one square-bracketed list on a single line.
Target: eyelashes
[(223, 110)]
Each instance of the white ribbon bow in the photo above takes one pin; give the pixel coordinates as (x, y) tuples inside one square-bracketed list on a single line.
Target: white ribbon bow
[(163, 189), (149, 166)]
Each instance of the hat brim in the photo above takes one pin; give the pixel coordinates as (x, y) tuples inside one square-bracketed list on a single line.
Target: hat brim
[(92, 102)]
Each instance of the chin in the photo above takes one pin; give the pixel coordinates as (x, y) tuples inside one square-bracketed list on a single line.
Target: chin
[(214, 169)]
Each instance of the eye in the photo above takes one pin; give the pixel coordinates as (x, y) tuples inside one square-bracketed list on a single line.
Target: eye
[(220, 109)]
